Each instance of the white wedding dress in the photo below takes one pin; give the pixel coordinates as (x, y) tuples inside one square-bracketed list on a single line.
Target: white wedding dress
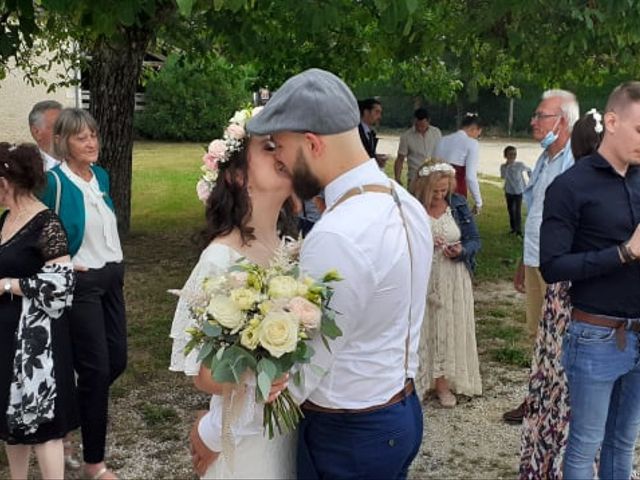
[(255, 456)]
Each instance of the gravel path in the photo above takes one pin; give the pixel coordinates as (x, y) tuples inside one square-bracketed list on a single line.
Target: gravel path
[(150, 419)]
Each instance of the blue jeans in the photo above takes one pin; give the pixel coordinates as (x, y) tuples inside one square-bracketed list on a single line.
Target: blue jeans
[(604, 393), (376, 445)]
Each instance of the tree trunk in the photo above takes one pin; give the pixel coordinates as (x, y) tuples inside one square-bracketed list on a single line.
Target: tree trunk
[(114, 72)]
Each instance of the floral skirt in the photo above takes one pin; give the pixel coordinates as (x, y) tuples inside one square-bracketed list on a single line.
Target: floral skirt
[(545, 427)]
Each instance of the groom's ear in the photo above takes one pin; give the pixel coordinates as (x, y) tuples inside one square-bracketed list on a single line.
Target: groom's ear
[(315, 144)]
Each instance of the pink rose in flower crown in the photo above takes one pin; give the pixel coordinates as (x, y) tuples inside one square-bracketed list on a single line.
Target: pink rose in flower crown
[(203, 189), (235, 131), (210, 161), (218, 149), (308, 314)]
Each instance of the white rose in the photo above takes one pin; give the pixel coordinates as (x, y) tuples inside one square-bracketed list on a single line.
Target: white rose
[(283, 286), (279, 333), (307, 313), (225, 312), (244, 298), (249, 337), (240, 117)]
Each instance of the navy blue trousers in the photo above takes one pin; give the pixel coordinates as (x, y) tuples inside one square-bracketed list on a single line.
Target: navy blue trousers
[(381, 444)]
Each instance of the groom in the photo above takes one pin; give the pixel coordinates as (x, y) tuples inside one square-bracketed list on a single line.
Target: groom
[(362, 416)]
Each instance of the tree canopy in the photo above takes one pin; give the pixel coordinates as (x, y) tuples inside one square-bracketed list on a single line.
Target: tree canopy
[(444, 49)]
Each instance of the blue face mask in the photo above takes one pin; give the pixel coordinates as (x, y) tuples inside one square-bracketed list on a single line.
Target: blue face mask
[(550, 137)]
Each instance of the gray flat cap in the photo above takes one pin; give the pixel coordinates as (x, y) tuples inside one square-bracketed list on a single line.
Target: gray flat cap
[(313, 101)]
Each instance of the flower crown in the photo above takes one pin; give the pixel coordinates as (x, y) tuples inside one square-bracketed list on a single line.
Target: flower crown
[(220, 150), (438, 167), (597, 117)]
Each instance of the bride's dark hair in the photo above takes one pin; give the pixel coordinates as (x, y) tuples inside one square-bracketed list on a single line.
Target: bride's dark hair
[(229, 205)]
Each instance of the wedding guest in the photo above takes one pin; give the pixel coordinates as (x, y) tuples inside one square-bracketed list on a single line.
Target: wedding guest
[(448, 352), (363, 418), (551, 125), (416, 144), (462, 150), (370, 115), (78, 190), (590, 236), (545, 426), (42, 118), (37, 400), (513, 173)]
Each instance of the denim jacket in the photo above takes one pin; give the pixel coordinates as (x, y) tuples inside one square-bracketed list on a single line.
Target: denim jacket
[(470, 237)]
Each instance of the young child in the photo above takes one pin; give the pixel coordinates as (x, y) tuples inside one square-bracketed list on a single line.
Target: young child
[(512, 171)]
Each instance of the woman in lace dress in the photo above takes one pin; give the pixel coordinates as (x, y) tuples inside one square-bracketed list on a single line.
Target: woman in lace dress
[(37, 396), (448, 352), (243, 206)]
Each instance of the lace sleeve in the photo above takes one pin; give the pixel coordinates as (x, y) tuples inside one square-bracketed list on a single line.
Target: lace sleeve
[(53, 238)]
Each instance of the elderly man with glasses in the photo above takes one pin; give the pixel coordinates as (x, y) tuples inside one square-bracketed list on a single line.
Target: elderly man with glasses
[(551, 125)]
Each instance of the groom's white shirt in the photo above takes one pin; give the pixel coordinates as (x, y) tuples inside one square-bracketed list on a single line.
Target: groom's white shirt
[(364, 239)]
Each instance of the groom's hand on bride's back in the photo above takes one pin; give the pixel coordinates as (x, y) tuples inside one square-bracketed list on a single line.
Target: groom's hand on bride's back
[(278, 385), (201, 455)]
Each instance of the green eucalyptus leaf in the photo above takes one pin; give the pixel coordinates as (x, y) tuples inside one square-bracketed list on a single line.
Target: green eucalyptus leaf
[(205, 351), (264, 385)]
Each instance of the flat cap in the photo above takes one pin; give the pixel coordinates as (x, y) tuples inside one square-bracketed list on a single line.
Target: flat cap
[(314, 101)]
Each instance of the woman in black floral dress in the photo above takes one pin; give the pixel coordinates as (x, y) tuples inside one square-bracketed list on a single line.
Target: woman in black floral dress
[(37, 397)]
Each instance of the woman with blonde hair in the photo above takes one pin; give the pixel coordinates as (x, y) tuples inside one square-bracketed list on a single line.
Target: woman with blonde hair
[(448, 352)]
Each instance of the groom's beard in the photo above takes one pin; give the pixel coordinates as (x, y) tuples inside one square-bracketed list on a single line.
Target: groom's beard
[(305, 183)]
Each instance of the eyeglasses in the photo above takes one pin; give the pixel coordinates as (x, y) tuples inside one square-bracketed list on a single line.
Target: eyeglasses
[(542, 116)]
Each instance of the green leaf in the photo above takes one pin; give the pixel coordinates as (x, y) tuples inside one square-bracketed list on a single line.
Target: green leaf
[(267, 366), (223, 373), (211, 330), (264, 385), (329, 327), (185, 6), (204, 351), (412, 5), (297, 378)]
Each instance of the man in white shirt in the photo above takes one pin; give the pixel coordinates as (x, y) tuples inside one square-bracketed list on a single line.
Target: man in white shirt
[(416, 145), (461, 150), (42, 118), (362, 416)]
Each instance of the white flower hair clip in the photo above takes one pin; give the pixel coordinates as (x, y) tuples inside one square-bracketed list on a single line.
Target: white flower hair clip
[(438, 167), (220, 150), (597, 117)]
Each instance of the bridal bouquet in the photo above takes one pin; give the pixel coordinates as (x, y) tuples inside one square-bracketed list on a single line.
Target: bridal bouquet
[(259, 320)]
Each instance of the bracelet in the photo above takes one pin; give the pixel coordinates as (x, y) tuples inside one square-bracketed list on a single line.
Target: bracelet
[(625, 253), (623, 259)]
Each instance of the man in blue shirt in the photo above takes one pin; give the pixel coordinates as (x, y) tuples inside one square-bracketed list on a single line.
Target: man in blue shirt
[(551, 125), (590, 235)]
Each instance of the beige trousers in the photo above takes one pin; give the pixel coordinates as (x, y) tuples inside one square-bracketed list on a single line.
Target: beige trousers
[(535, 289)]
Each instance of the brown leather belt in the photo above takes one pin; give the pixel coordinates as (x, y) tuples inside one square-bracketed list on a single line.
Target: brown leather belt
[(619, 324), (398, 397)]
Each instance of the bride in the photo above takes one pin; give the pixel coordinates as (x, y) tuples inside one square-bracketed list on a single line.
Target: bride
[(245, 190)]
